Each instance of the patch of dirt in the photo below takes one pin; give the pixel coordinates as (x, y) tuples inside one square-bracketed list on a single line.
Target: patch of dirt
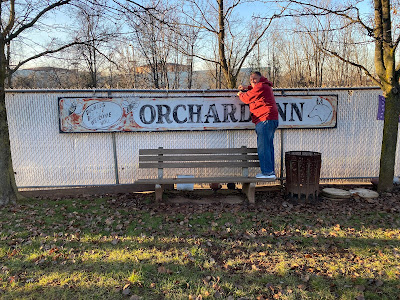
[(270, 199), (205, 197)]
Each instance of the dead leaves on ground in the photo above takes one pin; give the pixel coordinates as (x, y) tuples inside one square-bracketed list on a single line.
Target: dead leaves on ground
[(272, 237)]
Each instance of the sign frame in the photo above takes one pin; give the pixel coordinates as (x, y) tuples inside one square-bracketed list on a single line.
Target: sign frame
[(123, 114)]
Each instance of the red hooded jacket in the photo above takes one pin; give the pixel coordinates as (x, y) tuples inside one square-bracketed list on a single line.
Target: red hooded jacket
[(261, 101)]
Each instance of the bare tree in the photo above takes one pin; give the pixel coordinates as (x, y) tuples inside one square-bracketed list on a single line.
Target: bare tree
[(297, 60), (234, 46), (190, 38), (316, 59), (273, 66), (124, 73), (350, 48), (155, 38), (18, 20), (293, 61), (94, 27), (151, 41), (13, 26), (379, 31)]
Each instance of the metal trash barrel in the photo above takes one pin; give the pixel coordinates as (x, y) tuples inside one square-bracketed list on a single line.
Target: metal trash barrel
[(303, 170)]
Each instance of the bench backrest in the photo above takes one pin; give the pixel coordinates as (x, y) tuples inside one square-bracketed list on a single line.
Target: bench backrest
[(199, 158)]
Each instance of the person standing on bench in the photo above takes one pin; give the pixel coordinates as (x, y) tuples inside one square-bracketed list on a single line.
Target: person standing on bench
[(264, 114)]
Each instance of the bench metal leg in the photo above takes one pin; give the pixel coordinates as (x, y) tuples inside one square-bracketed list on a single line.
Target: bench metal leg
[(249, 189), (159, 192)]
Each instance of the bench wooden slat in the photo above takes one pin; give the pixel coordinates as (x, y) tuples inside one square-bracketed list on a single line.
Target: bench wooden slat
[(217, 157), (161, 158), (228, 164), (197, 151), (201, 180)]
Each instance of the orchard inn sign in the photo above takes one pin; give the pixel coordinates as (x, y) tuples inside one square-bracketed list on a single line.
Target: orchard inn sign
[(119, 114)]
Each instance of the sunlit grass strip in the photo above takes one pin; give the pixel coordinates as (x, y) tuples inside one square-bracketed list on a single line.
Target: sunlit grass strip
[(89, 250)]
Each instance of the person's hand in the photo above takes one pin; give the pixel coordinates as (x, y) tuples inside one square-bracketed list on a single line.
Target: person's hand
[(239, 93), (241, 87)]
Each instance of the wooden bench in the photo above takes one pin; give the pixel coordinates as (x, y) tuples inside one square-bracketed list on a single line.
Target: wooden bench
[(161, 159)]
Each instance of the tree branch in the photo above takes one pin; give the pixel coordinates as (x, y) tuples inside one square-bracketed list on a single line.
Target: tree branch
[(230, 8), (396, 43), (252, 46), (11, 19), (141, 6), (335, 54), (35, 19), (45, 53), (209, 27), (341, 13)]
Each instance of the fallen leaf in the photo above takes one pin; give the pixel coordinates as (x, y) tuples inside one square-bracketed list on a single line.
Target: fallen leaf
[(360, 288), (164, 270), (217, 295), (378, 283), (305, 278), (301, 286)]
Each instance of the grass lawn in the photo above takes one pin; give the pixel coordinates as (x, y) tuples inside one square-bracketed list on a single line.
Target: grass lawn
[(126, 247)]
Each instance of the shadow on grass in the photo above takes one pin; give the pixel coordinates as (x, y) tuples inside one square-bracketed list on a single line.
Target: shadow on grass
[(173, 251), (105, 280)]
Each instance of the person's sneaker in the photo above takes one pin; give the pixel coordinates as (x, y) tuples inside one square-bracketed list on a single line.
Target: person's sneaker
[(263, 176)]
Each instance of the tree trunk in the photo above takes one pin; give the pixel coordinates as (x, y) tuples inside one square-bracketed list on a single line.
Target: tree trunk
[(9, 73), (389, 140), (230, 79), (8, 188)]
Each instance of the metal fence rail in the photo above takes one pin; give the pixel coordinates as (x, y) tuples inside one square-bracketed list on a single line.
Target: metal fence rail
[(44, 157)]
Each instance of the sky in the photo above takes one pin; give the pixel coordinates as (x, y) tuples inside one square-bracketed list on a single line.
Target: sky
[(61, 17)]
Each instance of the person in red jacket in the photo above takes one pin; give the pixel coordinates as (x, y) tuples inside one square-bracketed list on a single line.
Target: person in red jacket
[(264, 114)]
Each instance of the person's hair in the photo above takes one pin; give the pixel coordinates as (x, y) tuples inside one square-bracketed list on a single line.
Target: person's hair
[(256, 73)]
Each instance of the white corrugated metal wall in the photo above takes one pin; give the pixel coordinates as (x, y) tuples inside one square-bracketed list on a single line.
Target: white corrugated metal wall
[(44, 157)]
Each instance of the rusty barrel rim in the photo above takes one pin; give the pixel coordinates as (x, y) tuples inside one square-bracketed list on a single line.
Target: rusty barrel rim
[(303, 153)]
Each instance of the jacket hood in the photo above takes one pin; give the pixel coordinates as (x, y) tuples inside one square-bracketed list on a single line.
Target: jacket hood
[(265, 80)]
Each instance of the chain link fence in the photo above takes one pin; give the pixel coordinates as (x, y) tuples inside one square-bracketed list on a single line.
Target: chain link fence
[(44, 157)]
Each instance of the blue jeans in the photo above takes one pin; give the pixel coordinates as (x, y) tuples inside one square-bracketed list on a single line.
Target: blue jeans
[(265, 145)]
